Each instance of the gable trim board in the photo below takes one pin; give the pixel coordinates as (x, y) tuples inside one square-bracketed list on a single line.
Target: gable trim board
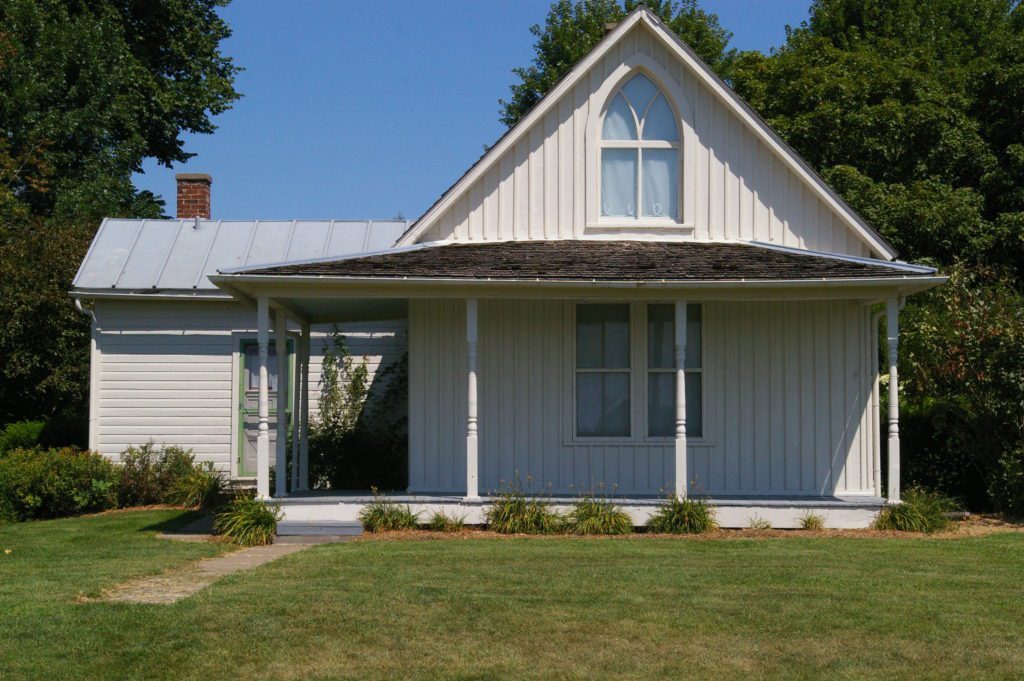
[(724, 95)]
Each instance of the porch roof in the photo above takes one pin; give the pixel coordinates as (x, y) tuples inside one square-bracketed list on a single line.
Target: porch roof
[(596, 260)]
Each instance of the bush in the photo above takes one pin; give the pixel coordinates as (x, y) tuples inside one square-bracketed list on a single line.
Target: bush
[(53, 483), (442, 522), (683, 516), (759, 523), (247, 521), (515, 513), (919, 511), (20, 435), (594, 515), (204, 487), (812, 521), (153, 476)]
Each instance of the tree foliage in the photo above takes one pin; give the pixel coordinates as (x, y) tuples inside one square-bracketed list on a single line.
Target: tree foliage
[(88, 90), (572, 29)]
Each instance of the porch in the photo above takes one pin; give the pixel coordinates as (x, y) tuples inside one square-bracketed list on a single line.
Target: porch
[(758, 394)]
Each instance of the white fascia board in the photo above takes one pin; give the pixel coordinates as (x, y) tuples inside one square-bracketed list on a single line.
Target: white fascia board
[(510, 138), (145, 294)]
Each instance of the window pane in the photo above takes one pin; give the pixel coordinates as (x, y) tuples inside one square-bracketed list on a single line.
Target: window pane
[(618, 182), (694, 404), (602, 404), (252, 367), (694, 351), (618, 122), (660, 122), (661, 336), (602, 336), (661, 191), (661, 404), (640, 90)]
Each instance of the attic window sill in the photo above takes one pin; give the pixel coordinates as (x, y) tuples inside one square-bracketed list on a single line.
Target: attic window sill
[(651, 226)]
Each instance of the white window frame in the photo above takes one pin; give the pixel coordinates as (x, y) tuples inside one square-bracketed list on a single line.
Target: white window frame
[(598, 103), (637, 378)]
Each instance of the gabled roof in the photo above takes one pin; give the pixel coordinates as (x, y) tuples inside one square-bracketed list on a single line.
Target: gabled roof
[(705, 74), (598, 260), (155, 256)]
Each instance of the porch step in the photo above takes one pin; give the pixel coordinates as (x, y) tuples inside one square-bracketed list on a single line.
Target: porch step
[(326, 528)]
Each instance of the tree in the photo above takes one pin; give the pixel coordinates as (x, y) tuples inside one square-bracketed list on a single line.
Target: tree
[(572, 29), (88, 90)]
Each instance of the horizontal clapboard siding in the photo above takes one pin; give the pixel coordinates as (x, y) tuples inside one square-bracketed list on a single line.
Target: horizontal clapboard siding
[(166, 371), (733, 185), (786, 403)]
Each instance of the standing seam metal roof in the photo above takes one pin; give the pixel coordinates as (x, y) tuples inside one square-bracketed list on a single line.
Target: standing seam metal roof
[(177, 255)]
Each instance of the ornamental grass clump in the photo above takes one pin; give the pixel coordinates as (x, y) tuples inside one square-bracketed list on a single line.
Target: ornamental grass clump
[(247, 521), (442, 522), (597, 515), (683, 516), (513, 512), (812, 521), (918, 511), (384, 515)]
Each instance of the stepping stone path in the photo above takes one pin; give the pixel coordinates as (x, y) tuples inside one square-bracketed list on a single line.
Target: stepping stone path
[(174, 585)]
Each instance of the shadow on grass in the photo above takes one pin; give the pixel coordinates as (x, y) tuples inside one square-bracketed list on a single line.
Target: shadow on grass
[(175, 524)]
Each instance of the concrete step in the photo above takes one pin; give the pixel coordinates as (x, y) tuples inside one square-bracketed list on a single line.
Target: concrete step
[(321, 528)]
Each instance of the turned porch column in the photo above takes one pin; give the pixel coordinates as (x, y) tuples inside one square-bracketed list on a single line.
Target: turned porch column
[(892, 330), (681, 485), (304, 342), (296, 383), (281, 459), (472, 482), (263, 411)]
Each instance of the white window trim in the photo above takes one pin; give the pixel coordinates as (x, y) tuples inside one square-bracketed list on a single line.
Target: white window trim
[(598, 103), (637, 379)]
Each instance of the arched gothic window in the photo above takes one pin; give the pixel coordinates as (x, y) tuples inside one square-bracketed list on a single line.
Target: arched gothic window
[(640, 154)]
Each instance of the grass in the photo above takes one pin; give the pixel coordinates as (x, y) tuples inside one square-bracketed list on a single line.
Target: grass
[(682, 516), (799, 607), (597, 515), (442, 522), (384, 515), (812, 521), (248, 521), (919, 511)]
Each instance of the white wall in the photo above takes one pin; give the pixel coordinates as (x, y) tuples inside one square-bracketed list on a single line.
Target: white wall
[(787, 389), (733, 185), (167, 370)]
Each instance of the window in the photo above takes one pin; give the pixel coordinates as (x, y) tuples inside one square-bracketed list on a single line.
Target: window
[(661, 372), (640, 154), (602, 370), (252, 367)]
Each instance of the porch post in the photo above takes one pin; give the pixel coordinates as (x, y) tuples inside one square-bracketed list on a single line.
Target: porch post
[(281, 460), (293, 480), (263, 433), (893, 332), (304, 429), (472, 484), (681, 485)]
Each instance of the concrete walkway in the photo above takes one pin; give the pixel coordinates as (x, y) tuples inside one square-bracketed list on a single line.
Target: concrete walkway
[(174, 585)]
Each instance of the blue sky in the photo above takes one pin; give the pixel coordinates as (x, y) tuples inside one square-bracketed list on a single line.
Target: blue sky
[(368, 110)]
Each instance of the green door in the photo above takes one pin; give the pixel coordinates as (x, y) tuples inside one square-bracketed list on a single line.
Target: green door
[(248, 401)]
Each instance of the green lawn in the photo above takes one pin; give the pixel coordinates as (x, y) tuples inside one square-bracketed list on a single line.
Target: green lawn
[(846, 608)]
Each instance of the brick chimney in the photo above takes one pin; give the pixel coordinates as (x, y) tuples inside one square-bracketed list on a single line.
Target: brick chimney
[(193, 195)]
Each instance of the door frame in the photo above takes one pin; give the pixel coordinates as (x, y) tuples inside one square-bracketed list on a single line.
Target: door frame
[(240, 341)]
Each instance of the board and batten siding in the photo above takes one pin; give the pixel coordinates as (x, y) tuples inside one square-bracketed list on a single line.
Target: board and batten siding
[(167, 371), (733, 185), (786, 403)]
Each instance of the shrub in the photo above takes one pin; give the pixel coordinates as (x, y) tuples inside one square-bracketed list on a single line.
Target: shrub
[(248, 521), (683, 516), (515, 513), (812, 521), (759, 523), (919, 511), (442, 522), (151, 476), (386, 516), (595, 515), (20, 435), (204, 486), (53, 483)]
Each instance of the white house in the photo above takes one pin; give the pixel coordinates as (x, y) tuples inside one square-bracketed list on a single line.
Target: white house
[(639, 287)]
